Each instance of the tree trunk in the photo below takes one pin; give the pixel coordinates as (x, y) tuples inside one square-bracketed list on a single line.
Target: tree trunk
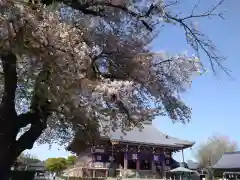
[(8, 135), (8, 114), (5, 165), (10, 147), (11, 123)]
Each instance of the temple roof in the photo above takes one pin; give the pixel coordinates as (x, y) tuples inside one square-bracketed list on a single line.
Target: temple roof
[(230, 160), (149, 135)]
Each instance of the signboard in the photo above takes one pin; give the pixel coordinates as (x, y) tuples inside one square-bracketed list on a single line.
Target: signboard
[(132, 156), (158, 157), (97, 150), (155, 158), (167, 161), (111, 158), (145, 156), (99, 157)]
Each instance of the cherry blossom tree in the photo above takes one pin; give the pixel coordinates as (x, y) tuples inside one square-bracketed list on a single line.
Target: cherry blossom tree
[(75, 69)]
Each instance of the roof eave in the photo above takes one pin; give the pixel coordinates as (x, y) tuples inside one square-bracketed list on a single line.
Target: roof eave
[(191, 144), (181, 146)]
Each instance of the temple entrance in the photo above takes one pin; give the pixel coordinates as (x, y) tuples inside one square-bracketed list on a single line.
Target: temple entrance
[(120, 158), (159, 169), (158, 166), (145, 165)]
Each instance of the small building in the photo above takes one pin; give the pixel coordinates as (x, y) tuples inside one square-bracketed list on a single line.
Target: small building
[(138, 153), (196, 167), (38, 167), (228, 164), (22, 170)]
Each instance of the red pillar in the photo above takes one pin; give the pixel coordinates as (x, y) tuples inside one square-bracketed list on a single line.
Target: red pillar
[(138, 164), (106, 173)]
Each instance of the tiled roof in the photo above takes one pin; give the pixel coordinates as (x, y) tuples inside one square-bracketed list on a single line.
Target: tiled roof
[(181, 169), (42, 163), (229, 160), (40, 166), (149, 135)]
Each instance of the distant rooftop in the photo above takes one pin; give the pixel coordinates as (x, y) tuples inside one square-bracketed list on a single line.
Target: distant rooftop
[(192, 165), (230, 160), (148, 135), (40, 166)]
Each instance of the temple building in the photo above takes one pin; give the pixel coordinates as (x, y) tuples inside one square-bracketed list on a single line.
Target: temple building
[(138, 153), (228, 167)]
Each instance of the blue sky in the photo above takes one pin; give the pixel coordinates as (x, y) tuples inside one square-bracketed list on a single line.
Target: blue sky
[(215, 100)]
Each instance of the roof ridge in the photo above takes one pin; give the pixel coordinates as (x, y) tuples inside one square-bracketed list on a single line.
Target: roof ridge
[(173, 137), (156, 137), (167, 136), (235, 152), (162, 133)]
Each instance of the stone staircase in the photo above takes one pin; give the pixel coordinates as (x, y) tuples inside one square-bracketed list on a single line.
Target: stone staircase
[(143, 174)]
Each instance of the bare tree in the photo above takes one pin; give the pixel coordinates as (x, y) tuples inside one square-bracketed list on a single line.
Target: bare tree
[(75, 67), (210, 152)]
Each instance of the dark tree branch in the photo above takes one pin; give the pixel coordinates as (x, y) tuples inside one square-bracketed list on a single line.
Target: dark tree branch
[(208, 13), (87, 9), (37, 117), (207, 48), (26, 141), (38, 120), (171, 4), (9, 61), (205, 45), (164, 62), (195, 6), (112, 77), (126, 10), (150, 10), (24, 119)]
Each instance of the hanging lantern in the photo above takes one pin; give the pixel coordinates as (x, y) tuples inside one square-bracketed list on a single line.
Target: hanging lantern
[(114, 142)]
